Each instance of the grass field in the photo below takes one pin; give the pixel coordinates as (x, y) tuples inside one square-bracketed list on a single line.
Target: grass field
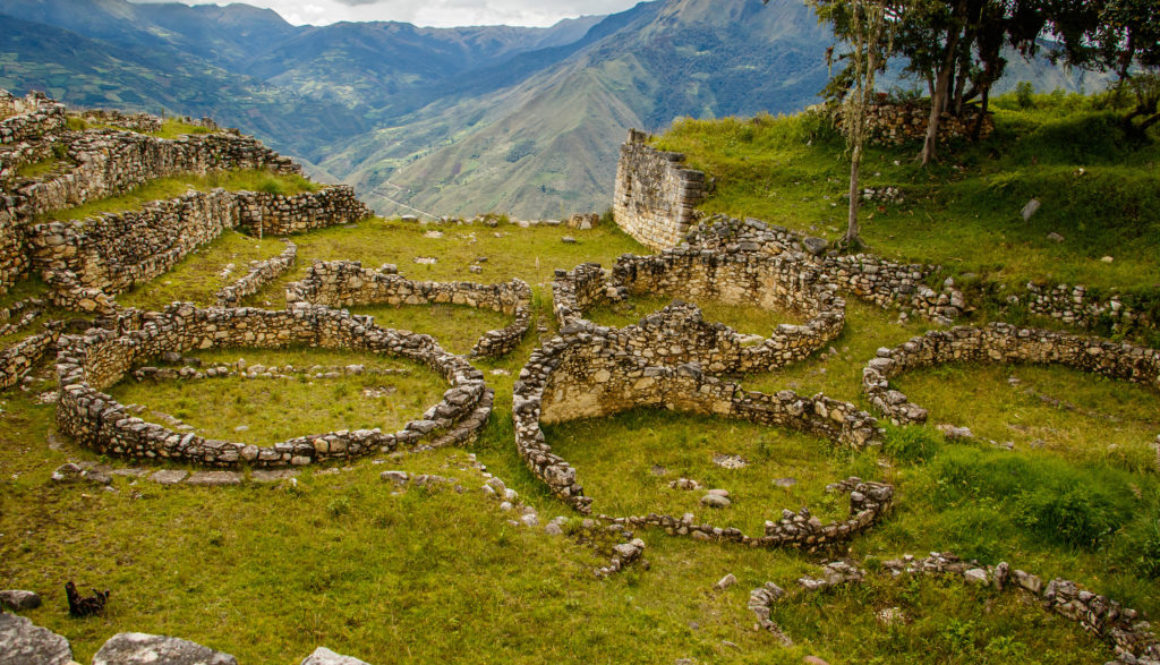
[(269, 572)]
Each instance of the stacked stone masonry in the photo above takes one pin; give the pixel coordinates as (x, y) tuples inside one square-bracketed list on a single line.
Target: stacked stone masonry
[(655, 199), (90, 363), (1120, 627), (261, 273), (19, 359), (343, 284), (111, 253), (1075, 306), (1000, 343), (592, 371), (898, 124), (31, 117), (680, 335)]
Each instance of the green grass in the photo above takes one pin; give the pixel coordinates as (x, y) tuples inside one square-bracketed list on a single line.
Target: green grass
[(39, 169), (942, 621), (172, 187), (626, 463), (198, 277), (965, 212), (274, 410), (171, 128), (456, 327)]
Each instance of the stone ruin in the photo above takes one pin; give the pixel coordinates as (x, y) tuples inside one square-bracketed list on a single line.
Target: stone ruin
[(1000, 343), (655, 200), (90, 363), (1120, 627), (342, 284)]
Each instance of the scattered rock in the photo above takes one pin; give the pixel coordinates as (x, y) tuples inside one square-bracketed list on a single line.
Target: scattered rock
[(396, 477), (730, 461), (785, 482), (1030, 209), (814, 660), (725, 582), (1054, 237), (568, 240), (976, 576), (169, 476), (716, 501), (953, 433), (815, 246), (1107, 259), (20, 600), (687, 484), (324, 656), (426, 260), (144, 649), (24, 643)]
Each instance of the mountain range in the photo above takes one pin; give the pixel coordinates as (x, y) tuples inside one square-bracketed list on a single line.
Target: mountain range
[(441, 121)]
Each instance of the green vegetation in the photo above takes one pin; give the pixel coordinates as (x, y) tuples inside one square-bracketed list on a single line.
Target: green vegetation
[(172, 187), (1099, 191), (171, 128), (457, 327), (199, 276), (745, 320), (272, 410), (40, 169)]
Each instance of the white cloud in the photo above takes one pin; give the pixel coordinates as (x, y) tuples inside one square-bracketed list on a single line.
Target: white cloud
[(440, 13)]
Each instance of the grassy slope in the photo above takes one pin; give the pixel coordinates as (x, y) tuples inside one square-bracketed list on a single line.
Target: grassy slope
[(1100, 193), (268, 573)]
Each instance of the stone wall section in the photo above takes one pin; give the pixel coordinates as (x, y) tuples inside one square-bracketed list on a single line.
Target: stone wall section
[(680, 335), (591, 371), (343, 284), (90, 363), (14, 260), (899, 124), (19, 359), (34, 116), (261, 273), (1073, 305), (1120, 627), (655, 199), (111, 253), (1001, 343)]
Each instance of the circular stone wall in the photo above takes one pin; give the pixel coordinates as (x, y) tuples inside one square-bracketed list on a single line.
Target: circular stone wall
[(98, 359), (348, 284), (1000, 343), (736, 278), (589, 373)]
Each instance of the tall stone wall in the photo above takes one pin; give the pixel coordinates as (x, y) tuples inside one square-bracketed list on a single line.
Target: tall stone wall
[(14, 260), (655, 199), (96, 360), (111, 253)]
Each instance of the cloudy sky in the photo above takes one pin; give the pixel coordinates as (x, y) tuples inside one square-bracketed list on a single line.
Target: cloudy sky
[(443, 13)]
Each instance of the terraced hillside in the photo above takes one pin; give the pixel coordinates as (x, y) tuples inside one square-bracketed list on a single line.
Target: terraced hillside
[(427, 504)]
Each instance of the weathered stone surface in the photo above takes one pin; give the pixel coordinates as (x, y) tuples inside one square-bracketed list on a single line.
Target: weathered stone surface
[(24, 643), (144, 649), (20, 600), (324, 656), (214, 478), (654, 199)]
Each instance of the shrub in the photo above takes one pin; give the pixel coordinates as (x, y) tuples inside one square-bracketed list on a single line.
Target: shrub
[(1079, 517), (1024, 94), (912, 445)]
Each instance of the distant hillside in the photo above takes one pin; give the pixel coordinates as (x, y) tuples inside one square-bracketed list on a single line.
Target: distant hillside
[(445, 121)]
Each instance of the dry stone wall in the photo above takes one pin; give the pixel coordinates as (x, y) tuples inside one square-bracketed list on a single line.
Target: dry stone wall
[(680, 334), (34, 116), (14, 260), (898, 124), (1076, 306), (348, 284), (17, 360), (1120, 627), (90, 363), (111, 253), (1001, 343), (261, 273), (655, 199), (591, 371)]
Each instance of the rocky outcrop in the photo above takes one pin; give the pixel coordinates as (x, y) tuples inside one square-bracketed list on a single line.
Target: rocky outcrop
[(24, 643), (143, 649)]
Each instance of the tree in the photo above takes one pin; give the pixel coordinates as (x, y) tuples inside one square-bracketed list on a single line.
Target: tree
[(867, 26)]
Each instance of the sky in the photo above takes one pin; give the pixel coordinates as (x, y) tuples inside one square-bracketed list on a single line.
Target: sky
[(441, 13)]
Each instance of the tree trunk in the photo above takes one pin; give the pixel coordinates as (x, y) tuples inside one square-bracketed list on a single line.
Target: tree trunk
[(977, 130), (939, 100), (855, 196)]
